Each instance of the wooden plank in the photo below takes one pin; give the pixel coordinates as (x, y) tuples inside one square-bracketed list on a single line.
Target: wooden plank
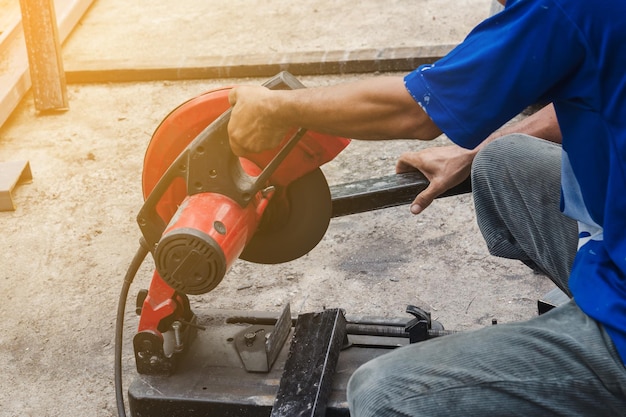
[(39, 23), (14, 76), (11, 174), (308, 63), (14, 79)]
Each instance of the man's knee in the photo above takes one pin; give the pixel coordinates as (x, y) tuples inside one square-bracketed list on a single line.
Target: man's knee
[(360, 389), (494, 157), (518, 157), (377, 386)]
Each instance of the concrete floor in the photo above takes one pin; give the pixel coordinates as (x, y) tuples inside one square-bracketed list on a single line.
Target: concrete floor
[(66, 247)]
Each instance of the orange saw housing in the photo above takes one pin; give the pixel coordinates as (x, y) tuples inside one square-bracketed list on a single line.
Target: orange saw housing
[(196, 230)]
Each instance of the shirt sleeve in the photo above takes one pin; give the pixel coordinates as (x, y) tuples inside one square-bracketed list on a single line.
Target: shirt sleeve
[(516, 58)]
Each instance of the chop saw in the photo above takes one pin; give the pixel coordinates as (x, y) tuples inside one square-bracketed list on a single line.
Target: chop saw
[(204, 209)]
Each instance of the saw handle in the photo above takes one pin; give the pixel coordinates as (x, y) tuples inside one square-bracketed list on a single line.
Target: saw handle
[(269, 170)]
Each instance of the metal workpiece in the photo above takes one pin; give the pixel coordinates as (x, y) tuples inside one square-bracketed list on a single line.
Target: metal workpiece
[(379, 193), (307, 378)]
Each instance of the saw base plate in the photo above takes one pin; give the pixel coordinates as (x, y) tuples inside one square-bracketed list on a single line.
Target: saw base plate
[(210, 379)]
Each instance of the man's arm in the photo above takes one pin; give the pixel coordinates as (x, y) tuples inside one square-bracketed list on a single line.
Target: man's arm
[(375, 108), (448, 166), (542, 124)]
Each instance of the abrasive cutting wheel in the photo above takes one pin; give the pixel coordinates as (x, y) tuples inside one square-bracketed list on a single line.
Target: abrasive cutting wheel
[(300, 208)]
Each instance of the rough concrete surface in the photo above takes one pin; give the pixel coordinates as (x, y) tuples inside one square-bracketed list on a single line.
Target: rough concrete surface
[(66, 247)]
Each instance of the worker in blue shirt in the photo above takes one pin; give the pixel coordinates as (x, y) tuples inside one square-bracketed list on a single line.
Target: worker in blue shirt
[(552, 195)]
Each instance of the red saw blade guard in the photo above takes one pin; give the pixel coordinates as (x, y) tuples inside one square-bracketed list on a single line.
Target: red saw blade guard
[(203, 206), (207, 231)]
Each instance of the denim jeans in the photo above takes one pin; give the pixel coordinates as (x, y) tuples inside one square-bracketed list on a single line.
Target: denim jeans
[(561, 363)]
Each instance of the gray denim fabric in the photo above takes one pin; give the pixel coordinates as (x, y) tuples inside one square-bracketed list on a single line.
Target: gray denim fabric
[(517, 192), (559, 364)]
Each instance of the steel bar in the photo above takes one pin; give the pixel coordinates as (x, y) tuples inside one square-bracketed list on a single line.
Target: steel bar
[(305, 386), (379, 193)]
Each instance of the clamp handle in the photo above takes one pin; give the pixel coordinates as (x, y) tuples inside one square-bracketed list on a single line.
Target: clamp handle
[(418, 327)]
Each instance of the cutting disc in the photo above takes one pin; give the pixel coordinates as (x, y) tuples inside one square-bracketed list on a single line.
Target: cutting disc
[(294, 223)]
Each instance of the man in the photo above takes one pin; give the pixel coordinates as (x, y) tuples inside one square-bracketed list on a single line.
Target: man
[(571, 53)]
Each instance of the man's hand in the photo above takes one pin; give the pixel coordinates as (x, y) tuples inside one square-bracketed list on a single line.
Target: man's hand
[(444, 167), (254, 124), (448, 166)]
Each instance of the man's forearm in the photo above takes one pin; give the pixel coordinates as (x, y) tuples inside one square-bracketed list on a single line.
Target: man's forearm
[(382, 108), (377, 108)]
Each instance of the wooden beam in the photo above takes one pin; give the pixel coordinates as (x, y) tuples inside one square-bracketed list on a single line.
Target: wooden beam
[(307, 63), (12, 174), (41, 34), (15, 78)]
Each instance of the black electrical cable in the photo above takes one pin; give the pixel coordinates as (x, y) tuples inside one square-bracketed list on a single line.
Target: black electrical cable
[(141, 254)]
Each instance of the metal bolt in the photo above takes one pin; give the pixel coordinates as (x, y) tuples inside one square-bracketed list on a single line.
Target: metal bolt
[(249, 338), (267, 191), (147, 345), (219, 227), (178, 340)]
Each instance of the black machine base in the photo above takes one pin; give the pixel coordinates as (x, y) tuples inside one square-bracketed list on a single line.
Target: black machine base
[(211, 379), (223, 373)]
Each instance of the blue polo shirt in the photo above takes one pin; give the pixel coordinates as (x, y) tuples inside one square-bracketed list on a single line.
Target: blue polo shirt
[(571, 53)]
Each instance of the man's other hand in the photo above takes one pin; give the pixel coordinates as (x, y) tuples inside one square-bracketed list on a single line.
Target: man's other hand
[(445, 167)]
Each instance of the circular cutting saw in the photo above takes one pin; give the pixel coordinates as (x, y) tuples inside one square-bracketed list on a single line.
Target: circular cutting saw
[(205, 207)]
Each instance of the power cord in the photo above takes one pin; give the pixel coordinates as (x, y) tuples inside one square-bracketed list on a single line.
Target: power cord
[(138, 259)]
